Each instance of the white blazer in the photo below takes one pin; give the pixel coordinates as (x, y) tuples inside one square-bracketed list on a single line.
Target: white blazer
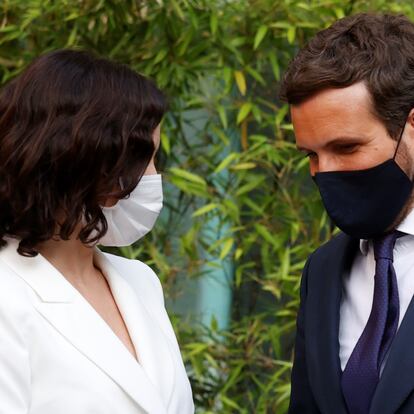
[(58, 356)]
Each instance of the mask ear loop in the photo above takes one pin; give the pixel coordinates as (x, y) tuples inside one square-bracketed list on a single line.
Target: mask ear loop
[(121, 183), (399, 141)]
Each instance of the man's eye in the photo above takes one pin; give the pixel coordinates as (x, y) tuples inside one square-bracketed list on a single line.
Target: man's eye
[(348, 149), (311, 154)]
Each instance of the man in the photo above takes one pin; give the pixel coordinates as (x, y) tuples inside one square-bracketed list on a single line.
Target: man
[(351, 95)]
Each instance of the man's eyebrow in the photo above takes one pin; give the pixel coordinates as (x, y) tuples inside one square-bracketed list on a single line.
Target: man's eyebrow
[(346, 140)]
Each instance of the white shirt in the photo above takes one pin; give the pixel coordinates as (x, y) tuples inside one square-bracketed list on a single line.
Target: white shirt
[(59, 356), (358, 288)]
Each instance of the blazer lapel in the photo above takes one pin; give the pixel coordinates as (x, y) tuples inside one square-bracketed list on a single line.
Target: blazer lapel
[(71, 314), (322, 321), (397, 379), (152, 346)]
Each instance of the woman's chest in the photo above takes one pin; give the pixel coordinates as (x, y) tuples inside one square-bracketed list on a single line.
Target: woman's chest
[(79, 364), (65, 379), (101, 299)]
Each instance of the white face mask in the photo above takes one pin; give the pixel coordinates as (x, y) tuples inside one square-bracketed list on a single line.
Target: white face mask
[(132, 218)]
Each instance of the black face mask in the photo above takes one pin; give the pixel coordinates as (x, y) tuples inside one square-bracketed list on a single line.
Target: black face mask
[(365, 203)]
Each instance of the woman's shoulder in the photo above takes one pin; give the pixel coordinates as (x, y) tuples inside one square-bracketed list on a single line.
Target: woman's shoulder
[(14, 293), (139, 275)]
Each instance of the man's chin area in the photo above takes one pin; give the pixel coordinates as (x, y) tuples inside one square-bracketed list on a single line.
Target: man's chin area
[(403, 214)]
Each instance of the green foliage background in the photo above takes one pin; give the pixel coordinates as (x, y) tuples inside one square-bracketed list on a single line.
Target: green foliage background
[(227, 154)]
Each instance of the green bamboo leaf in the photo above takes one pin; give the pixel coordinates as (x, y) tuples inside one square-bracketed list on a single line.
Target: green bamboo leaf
[(213, 23), (226, 162), (10, 36), (72, 16), (304, 6), (291, 34), (29, 16), (240, 81), (285, 264), (178, 10), (196, 348), (223, 116), (308, 25), (9, 28), (244, 111), (227, 77), (340, 13), (238, 41), (233, 377), (227, 246), (254, 206), (184, 43), (230, 403), (72, 37), (264, 232), (189, 187), (165, 143), (256, 75), (243, 166), (254, 183), (257, 113), (281, 113), (275, 66), (205, 209), (281, 25), (160, 55), (188, 176), (238, 253), (261, 33)]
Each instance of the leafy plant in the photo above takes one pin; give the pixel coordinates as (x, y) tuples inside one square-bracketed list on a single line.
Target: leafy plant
[(228, 156)]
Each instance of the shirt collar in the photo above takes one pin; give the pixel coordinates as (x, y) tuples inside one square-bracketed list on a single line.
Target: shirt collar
[(406, 226)]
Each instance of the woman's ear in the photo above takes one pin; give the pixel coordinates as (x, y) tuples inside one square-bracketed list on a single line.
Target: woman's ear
[(110, 202), (156, 137)]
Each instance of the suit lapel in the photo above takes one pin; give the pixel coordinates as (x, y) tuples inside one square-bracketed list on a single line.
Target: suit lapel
[(397, 380), (71, 314), (322, 320), (322, 313)]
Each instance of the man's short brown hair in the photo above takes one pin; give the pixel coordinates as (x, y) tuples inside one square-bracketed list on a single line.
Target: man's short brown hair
[(377, 49)]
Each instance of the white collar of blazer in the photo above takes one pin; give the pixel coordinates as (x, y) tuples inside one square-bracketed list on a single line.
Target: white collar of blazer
[(150, 383)]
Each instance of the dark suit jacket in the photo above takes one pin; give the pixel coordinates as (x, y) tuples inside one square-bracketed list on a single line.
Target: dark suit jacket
[(316, 370)]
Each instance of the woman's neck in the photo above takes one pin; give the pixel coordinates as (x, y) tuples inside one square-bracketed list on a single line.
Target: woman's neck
[(72, 258)]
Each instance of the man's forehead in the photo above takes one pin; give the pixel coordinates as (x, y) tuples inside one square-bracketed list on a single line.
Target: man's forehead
[(334, 115), (334, 102)]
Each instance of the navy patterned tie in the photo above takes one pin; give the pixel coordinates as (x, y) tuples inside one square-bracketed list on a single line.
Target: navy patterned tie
[(362, 372)]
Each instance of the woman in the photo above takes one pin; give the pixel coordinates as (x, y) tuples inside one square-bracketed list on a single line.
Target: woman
[(82, 331)]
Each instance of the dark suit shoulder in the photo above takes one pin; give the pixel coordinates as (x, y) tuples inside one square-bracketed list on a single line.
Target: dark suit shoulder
[(337, 243), (334, 255)]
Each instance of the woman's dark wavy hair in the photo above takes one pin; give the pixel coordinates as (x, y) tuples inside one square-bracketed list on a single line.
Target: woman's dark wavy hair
[(375, 48), (72, 125)]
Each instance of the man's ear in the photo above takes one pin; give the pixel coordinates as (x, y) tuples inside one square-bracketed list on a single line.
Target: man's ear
[(410, 120), (409, 132), (408, 143)]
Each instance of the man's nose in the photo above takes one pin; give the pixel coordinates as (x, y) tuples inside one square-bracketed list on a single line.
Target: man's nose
[(323, 163)]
